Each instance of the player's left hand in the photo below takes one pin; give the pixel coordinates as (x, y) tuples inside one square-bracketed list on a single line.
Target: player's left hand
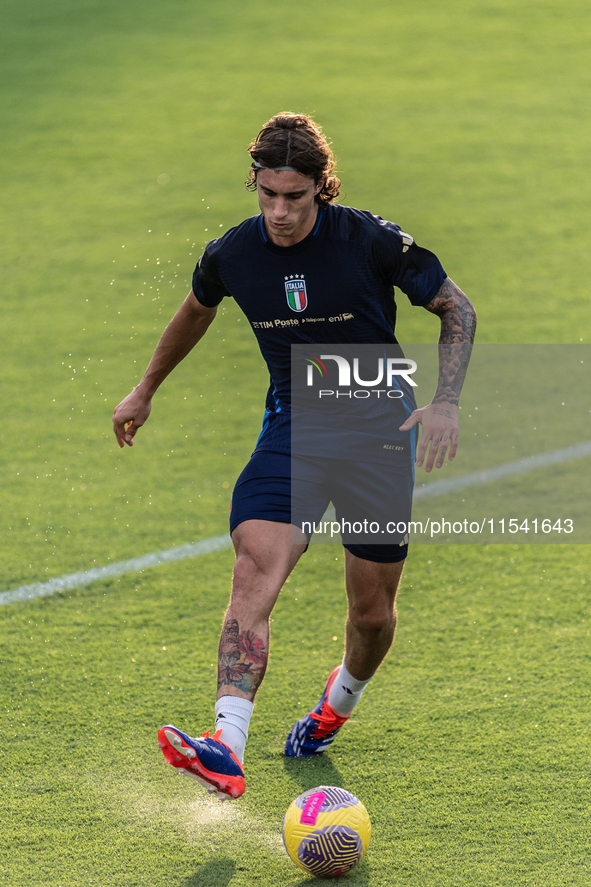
[(440, 431)]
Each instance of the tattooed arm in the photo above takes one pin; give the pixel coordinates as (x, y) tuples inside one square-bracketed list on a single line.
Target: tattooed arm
[(458, 325), (440, 418)]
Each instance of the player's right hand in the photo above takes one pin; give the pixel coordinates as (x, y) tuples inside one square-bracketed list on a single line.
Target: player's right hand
[(129, 416)]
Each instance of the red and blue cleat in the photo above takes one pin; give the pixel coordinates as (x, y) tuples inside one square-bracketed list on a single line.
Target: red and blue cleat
[(207, 759), (315, 731)]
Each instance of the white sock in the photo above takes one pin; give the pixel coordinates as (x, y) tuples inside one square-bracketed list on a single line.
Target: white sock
[(345, 692), (232, 716)]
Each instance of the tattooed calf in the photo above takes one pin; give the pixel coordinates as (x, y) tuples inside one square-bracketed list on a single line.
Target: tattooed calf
[(242, 658)]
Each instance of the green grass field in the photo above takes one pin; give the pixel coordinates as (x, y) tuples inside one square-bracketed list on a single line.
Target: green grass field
[(122, 152)]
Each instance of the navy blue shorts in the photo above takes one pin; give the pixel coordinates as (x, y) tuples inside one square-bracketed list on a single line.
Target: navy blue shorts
[(264, 492)]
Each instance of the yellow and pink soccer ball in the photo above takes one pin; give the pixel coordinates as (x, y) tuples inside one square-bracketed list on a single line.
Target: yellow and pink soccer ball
[(326, 831)]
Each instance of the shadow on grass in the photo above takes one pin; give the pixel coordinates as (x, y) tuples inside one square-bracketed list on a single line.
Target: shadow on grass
[(217, 872), (313, 771)]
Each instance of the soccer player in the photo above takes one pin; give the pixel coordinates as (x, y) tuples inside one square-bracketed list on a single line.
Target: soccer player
[(305, 270)]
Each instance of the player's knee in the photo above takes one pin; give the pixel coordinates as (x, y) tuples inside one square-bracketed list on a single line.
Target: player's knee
[(253, 588), (246, 565), (373, 620), (248, 573), (251, 566)]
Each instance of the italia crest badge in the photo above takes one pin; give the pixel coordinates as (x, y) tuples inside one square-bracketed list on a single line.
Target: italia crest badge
[(295, 290)]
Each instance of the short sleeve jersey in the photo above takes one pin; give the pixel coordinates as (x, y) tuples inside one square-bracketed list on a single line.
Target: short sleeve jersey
[(336, 285)]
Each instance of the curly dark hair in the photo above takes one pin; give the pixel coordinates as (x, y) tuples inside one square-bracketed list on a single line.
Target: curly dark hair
[(295, 140)]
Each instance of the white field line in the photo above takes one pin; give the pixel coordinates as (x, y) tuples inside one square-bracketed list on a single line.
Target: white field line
[(85, 577), (217, 543), (509, 469)]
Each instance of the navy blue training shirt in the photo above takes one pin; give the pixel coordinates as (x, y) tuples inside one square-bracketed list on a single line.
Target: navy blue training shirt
[(336, 285)]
